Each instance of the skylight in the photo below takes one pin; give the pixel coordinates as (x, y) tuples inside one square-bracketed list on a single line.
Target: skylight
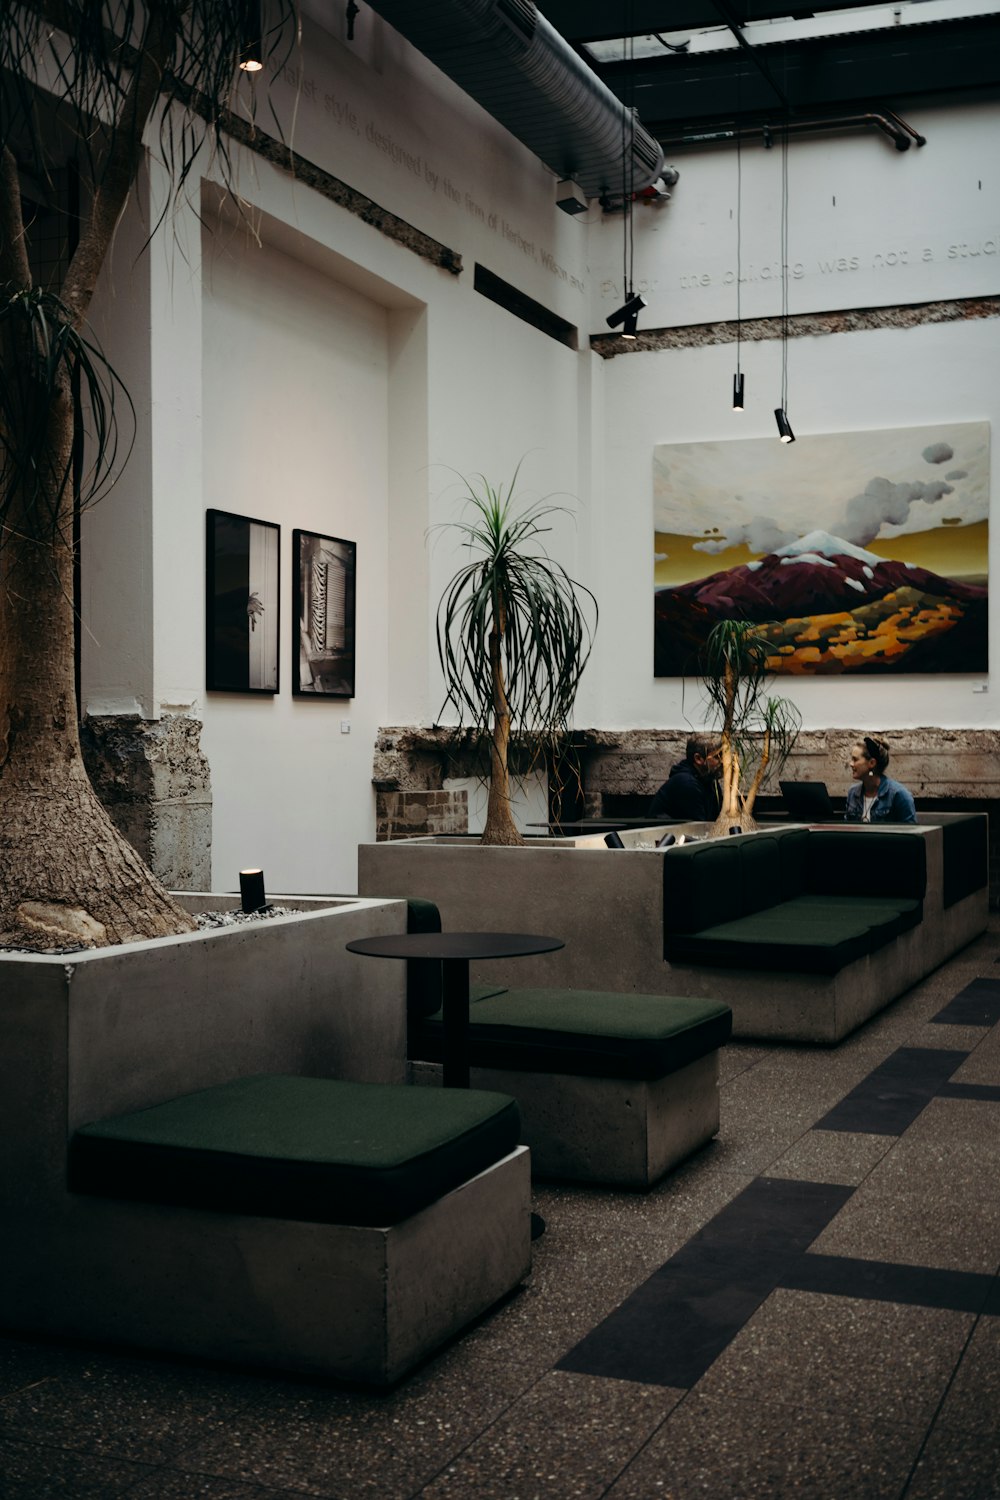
[(665, 44)]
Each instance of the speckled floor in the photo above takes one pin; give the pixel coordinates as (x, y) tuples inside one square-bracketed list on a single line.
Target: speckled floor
[(810, 1307)]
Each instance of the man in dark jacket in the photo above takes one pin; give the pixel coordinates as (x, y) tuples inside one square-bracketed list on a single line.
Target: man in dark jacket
[(691, 791)]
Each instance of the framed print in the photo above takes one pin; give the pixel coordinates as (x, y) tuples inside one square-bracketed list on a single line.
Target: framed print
[(855, 553), (325, 571), (242, 604)]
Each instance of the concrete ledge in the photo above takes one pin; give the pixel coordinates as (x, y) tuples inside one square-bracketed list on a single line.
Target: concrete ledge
[(627, 1132), (358, 1304)]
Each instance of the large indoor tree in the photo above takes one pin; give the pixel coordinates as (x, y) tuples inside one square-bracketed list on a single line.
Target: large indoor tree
[(93, 83), (514, 634)]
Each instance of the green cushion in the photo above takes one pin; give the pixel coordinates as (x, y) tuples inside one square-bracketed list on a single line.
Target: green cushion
[(854, 861), (317, 1149), (899, 913), (588, 1032), (423, 975), (792, 846), (965, 852), (760, 872), (701, 885)]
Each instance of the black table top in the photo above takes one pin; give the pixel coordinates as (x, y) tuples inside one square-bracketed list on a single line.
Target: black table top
[(466, 945)]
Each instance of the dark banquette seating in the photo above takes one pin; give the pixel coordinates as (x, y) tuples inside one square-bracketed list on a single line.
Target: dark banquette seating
[(808, 900)]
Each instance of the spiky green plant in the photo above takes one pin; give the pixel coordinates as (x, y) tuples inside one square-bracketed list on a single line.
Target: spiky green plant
[(86, 86), (757, 733), (514, 633)]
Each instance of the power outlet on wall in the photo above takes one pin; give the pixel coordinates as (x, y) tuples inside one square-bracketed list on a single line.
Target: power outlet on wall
[(345, 726)]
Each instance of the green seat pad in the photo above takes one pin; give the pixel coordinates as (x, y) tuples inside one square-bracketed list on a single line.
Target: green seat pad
[(818, 947), (316, 1149), (588, 1032)]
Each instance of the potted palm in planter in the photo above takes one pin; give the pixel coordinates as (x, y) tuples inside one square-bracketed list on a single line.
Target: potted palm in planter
[(514, 635), (757, 732)]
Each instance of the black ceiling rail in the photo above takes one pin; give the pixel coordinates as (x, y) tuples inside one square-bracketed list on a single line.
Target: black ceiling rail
[(896, 129)]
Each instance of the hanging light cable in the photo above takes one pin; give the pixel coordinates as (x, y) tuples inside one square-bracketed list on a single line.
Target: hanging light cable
[(781, 412), (738, 377), (628, 184)]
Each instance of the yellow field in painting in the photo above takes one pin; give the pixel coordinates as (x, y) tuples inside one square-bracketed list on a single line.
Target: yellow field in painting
[(952, 552)]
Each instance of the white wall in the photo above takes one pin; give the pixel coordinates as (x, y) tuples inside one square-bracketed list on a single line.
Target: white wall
[(330, 378), (854, 199)]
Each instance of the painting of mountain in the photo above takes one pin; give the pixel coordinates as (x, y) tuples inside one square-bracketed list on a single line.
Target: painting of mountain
[(854, 552)]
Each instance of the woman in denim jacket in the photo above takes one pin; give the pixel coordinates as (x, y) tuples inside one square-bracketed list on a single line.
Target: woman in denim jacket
[(875, 797)]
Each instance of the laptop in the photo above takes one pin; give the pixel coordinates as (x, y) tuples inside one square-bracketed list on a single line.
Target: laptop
[(808, 802)]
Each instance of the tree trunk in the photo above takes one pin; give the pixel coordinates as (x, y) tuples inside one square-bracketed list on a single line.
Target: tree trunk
[(67, 876), (62, 861), (500, 828)]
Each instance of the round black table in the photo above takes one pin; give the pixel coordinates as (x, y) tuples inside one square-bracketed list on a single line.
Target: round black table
[(455, 951)]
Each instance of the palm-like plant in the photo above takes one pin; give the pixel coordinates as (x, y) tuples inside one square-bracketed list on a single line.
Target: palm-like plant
[(85, 80), (757, 732), (514, 633)]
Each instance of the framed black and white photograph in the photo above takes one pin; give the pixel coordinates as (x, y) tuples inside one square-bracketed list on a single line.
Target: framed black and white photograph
[(242, 599), (325, 571)]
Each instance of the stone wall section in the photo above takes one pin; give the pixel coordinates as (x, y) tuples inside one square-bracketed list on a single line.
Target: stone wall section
[(155, 783), (947, 770)]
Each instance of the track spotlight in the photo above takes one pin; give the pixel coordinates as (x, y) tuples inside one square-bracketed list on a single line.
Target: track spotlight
[(738, 391), (252, 38), (628, 314), (784, 426)]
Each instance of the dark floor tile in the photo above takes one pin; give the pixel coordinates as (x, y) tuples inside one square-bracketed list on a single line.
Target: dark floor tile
[(894, 1093), (29, 1471), (671, 1329), (988, 1092), (977, 1005), (773, 1218), (883, 1281)]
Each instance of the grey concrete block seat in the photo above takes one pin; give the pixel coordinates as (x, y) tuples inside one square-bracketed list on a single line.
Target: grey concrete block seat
[(612, 1087), (405, 1213)]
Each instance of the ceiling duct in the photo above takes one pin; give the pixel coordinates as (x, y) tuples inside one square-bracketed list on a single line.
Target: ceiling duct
[(511, 61)]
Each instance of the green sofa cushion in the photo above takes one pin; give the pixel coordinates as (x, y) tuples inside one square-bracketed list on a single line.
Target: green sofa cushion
[(588, 1032), (315, 1149), (853, 861), (760, 872), (702, 884)]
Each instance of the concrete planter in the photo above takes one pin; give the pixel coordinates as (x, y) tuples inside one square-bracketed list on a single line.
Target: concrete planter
[(606, 904), (90, 1035)]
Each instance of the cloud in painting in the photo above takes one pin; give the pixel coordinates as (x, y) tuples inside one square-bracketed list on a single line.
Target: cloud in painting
[(884, 503), (761, 535), (939, 453), (957, 474)]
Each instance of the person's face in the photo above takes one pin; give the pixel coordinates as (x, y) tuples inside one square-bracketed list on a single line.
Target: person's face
[(709, 767), (861, 764)]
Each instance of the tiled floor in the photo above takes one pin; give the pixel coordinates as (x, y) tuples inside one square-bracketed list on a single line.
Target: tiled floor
[(809, 1308)]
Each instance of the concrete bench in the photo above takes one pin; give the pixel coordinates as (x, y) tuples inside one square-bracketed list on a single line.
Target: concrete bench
[(342, 1228), (612, 1088)]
